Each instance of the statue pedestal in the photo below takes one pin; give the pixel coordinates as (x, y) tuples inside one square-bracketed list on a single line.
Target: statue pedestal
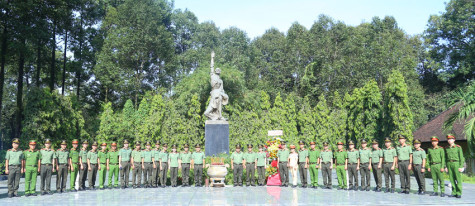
[(216, 137)]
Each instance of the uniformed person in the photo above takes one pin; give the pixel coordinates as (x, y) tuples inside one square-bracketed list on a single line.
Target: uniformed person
[(314, 162), (113, 165), (32, 167), (174, 165), (418, 163), (147, 164), (454, 162), (326, 163), (62, 166), (136, 161), (404, 156), (250, 166), (283, 164), (164, 165), (261, 165), (156, 165), (125, 164), (185, 159), (365, 165), (389, 159), (436, 162), (102, 155), (93, 164), (353, 165), (303, 164), (197, 161), (377, 165), (73, 165), (48, 166), (14, 167), (237, 158), (83, 164), (341, 162)]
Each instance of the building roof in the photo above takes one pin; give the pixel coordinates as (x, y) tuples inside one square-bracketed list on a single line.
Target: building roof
[(435, 128)]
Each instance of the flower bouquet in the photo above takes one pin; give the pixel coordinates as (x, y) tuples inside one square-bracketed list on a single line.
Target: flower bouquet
[(272, 147)]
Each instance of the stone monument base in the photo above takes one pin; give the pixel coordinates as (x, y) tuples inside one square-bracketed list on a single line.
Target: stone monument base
[(216, 137)]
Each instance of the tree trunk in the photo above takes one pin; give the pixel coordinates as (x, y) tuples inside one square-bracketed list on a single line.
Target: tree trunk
[(53, 58), (19, 102), (38, 64), (64, 63), (2, 70)]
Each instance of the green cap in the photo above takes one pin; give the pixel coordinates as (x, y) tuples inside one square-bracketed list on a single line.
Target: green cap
[(33, 142)]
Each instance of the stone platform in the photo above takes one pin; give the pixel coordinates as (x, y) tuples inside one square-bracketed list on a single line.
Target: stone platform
[(216, 137)]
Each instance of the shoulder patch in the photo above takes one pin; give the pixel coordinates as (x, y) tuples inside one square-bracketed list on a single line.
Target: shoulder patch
[(9, 150)]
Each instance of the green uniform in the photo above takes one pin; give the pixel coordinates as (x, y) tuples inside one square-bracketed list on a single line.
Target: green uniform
[(365, 155), (92, 156), (403, 154), (31, 170), (14, 170), (156, 170), (113, 157), (455, 160), (46, 170), (326, 157), (283, 156), (261, 168), (313, 156), (174, 156), (185, 158), (237, 167), (353, 156), (62, 173), (164, 169), (436, 162), (74, 157), (137, 169), (147, 156), (102, 155), (388, 156), (250, 158), (417, 158), (303, 172), (198, 166), (83, 172), (340, 158), (377, 171), (124, 155)]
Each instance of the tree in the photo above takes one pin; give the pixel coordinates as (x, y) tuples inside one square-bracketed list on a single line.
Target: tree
[(108, 126), (322, 115), (307, 121), (338, 119), (127, 121)]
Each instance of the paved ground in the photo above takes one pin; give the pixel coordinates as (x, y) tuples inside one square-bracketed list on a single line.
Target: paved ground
[(237, 196)]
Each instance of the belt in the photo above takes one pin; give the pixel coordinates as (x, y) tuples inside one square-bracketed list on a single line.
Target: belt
[(113, 163), (237, 163), (282, 161), (94, 164), (453, 160), (326, 162), (13, 165), (388, 162), (434, 163), (417, 164), (198, 164), (312, 163), (32, 165), (147, 162), (403, 161), (374, 163), (46, 164), (185, 163), (66, 164), (250, 163), (364, 163), (125, 161), (137, 162), (352, 163)]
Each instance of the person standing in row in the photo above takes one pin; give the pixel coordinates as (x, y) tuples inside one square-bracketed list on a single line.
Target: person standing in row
[(293, 165), (353, 165), (303, 164), (14, 167), (174, 165), (341, 162), (436, 162), (390, 159), (102, 155), (365, 166), (113, 165), (164, 165), (32, 167), (124, 164), (261, 166), (314, 162), (147, 164), (156, 165), (418, 163), (93, 164), (136, 161), (197, 161), (283, 164), (326, 163), (404, 156), (73, 165), (48, 166), (185, 159), (237, 165), (376, 165), (62, 167), (455, 161), (250, 166), (83, 164)]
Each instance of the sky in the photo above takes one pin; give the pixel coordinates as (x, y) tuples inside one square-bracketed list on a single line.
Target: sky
[(256, 16)]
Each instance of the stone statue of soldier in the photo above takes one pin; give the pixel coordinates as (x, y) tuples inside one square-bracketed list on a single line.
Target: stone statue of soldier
[(218, 96)]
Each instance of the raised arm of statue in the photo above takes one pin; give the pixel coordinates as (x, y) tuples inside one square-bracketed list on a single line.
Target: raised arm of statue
[(212, 62)]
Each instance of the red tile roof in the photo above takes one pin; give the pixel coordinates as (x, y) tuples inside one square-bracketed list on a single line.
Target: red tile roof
[(435, 128)]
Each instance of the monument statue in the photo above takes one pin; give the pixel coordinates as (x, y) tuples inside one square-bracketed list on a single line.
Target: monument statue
[(218, 96)]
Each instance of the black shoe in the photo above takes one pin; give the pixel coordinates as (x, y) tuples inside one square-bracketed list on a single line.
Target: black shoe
[(442, 194), (294, 186), (247, 185), (33, 194), (421, 193), (392, 190), (73, 190), (340, 188), (163, 186), (458, 196), (10, 195), (122, 187), (240, 185), (27, 195), (402, 192), (378, 190), (434, 194), (43, 193), (451, 195), (49, 193), (253, 185), (408, 192), (133, 187)]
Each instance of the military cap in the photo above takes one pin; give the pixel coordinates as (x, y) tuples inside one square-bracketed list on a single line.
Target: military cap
[(126, 141), (63, 142), (16, 140), (164, 145), (450, 136), (94, 143), (351, 142), (325, 143), (301, 142), (401, 136), (363, 141), (312, 143), (238, 146), (282, 142), (375, 142), (292, 146), (75, 141), (261, 146), (137, 142), (104, 144), (33, 142), (157, 142), (85, 142), (339, 143), (197, 146), (148, 143), (174, 146), (249, 145), (387, 139), (114, 143), (416, 141), (47, 141), (434, 139), (186, 146)]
